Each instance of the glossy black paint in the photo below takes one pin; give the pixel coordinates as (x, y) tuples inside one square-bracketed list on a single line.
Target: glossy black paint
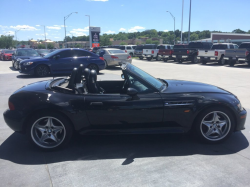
[(172, 109)]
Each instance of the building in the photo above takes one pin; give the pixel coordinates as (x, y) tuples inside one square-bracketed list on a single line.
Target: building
[(34, 43), (135, 41), (77, 44)]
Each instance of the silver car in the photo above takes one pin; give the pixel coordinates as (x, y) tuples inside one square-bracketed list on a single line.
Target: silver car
[(113, 57)]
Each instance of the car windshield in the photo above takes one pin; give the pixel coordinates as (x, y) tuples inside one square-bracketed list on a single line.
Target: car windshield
[(245, 45), (139, 47), (145, 76), (9, 52), (115, 51), (150, 47), (219, 47), (27, 52), (161, 47), (43, 51), (51, 54)]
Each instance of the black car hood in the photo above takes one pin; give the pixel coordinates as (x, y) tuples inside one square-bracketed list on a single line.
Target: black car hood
[(179, 86)]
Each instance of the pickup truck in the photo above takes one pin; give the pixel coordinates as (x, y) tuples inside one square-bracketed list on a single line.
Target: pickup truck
[(240, 55), (138, 51), (190, 53), (165, 52), (150, 51), (216, 53), (130, 49)]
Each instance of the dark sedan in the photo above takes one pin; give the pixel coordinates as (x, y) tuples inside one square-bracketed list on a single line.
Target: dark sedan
[(61, 61), (50, 111)]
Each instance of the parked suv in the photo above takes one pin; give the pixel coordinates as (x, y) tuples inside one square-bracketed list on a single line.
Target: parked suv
[(150, 51), (216, 53), (130, 49), (165, 52)]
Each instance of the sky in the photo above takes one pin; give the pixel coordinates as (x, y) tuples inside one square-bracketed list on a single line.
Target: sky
[(114, 16)]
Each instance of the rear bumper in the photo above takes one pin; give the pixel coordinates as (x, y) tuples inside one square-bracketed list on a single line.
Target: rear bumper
[(148, 56), (208, 58), (236, 58), (241, 119), (165, 56), (180, 56), (116, 62), (14, 120)]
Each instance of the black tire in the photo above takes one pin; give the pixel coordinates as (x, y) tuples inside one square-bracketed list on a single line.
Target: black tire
[(149, 58), (165, 59), (203, 62), (131, 54), (42, 71), (15, 65), (106, 64), (179, 60), (206, 132), (141, 58), (157, 58), (62, 135), (194, 59), (231, 63), (93, 67)]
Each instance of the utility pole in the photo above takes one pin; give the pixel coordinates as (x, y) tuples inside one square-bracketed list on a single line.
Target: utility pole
[(189, 22), (182, 19), (90, 43), (16, 35), (174, 24), (66, 17), (44, 36)]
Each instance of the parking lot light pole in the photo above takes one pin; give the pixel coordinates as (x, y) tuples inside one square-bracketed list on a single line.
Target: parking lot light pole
[(16, 35), (66, 17), (174, 24), (89, 32), (189, 22), (182, 19)]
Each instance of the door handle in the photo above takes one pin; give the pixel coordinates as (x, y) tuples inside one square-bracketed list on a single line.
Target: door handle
[(96, 103)]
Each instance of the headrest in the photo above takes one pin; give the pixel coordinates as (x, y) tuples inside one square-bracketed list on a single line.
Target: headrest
[(79, 74), (93, 75), (72, 79)]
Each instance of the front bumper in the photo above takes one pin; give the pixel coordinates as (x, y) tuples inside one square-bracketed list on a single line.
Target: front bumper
[(26, 69), (14, 120), (241, 119), (208, 58)]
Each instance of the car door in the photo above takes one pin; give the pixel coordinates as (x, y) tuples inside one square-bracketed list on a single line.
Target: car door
[(81, 57), (61, 62), (123, 111)]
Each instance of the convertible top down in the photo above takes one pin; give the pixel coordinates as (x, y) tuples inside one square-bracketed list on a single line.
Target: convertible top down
[(48, 112)]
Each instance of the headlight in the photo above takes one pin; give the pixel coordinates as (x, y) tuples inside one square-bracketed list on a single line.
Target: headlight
[(19, 59), (27, 63), (240, 106)]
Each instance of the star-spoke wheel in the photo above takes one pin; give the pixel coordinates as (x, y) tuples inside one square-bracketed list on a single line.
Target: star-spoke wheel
[(48, 132), (215, 125)]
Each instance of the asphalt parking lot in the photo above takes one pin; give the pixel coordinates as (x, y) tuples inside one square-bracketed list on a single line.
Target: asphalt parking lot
[(131, 160)]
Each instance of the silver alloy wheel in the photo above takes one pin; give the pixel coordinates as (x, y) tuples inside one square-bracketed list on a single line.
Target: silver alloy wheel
[(16, 65), (48, 132), (223, 61), (215, 126)]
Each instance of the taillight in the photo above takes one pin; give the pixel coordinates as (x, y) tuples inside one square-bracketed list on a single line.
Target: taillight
[(216, 53), (101, 58), (171, 52), (128, 57), (187, 51), (153, 52), (113, 57), (125, 51), (11, 106), (247, 53)]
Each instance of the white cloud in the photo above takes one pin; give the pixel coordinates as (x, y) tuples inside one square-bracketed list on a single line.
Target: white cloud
[(165, 30), (122, 29), (3, 27), (42, 34), (8, 33), (38, 25), (24, 27), (52, 27), (80, 32), (135, 29), (99, 0), (110, 32)]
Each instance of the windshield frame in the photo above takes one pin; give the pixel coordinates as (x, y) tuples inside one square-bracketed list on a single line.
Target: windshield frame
[(17, 51), (49, 55), (127, 68)]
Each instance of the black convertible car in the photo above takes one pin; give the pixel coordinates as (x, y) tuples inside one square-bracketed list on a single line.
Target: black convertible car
[(50, 111)]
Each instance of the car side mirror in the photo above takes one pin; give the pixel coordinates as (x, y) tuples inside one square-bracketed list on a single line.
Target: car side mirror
[(132, 92), (122, 76), (57, 56)]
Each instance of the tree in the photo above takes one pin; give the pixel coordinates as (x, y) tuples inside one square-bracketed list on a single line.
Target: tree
[(41, 46), (148, 41), (123, 43), (50, 46), (194, 36), (238, 31), (155, 42), (105, 40), (77, 46), (6, 41)]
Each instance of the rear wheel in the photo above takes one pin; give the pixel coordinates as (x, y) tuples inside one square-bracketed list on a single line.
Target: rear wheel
[(149, 58), (203, 62), (231, 63), (131, 54), (42, 71), (158, 58), (140, 57), (49, 130), (179, 60), (93, 67), (106, 64), (165, 59), (195, 60), (214, 125)]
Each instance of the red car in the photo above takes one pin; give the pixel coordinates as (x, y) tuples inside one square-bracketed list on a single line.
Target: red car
[(6, 55)]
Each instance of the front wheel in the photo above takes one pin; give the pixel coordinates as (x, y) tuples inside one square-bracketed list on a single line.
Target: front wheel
[(15, 65), (214, 125), (42, 71), (49, 130)]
